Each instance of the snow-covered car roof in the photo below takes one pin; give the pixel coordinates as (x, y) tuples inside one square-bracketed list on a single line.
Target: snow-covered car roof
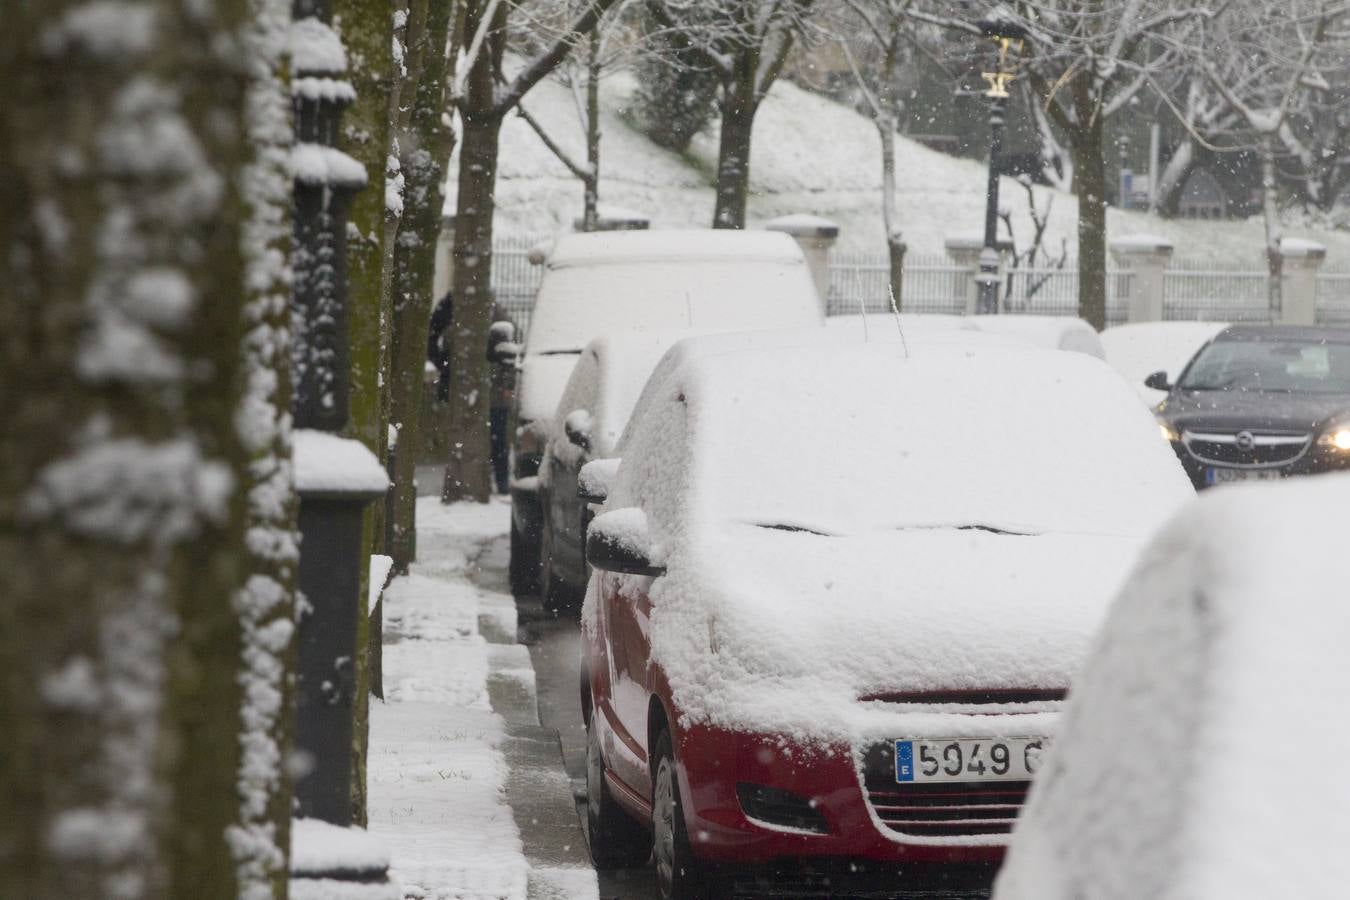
[(1196, 757), (1047, 332), (1139, 349), (661, 281), (846, 519), (601, 247), (610, 374)]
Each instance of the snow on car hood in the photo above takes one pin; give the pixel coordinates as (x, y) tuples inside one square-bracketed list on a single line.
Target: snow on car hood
[(801, 625)]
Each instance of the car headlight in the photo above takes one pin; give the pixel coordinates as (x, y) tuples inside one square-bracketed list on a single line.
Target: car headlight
[(1336, 436), (1169, 432)]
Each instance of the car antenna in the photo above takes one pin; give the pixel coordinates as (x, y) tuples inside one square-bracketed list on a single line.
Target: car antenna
[(862, 309), (895, 310)]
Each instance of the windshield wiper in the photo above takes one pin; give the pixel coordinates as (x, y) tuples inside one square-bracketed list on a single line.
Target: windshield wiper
[(782, 526), (991, 529)]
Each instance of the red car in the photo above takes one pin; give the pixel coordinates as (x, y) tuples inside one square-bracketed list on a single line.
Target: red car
[(839, 591)]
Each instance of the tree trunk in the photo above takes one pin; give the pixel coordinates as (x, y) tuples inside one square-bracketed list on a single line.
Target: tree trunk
[(1090, 175), (122, 519), (467, 477), (367, 30), (895, 246), (1270, 211), (590, 217), (733, 152), (424, 151)]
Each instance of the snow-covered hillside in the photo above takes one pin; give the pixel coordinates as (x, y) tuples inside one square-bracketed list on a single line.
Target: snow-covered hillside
[(810, 155)]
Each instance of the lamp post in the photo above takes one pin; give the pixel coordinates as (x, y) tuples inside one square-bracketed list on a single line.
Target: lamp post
[(1008, 36)]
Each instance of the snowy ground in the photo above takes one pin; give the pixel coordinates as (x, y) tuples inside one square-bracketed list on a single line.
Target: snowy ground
[(438, 773)]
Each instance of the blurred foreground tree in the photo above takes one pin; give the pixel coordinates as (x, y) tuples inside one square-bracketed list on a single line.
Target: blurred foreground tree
[(144, 629)]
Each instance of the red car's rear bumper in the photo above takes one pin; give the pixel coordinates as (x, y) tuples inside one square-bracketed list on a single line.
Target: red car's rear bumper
[(714, 761)]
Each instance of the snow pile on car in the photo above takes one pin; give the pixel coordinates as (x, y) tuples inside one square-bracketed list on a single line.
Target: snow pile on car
[(861, 519), (1199, 751)]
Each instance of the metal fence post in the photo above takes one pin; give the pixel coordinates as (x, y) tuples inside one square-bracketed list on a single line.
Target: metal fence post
[(1146, 257), (335, 477)]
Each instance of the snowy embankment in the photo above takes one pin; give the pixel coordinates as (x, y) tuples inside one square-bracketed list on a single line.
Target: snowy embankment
[(437, 772), (813, 155)]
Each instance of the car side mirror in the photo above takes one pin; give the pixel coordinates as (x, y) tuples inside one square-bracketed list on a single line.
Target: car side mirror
[(1158, 381), (505, 353), (594, 479), (501, 332), (577, 427), (618, 541)]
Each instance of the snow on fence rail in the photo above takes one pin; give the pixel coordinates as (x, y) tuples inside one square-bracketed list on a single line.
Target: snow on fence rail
[(1193, 290)]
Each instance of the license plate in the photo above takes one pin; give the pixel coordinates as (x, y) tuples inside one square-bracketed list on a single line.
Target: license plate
[(929, 761), (1219, 475)]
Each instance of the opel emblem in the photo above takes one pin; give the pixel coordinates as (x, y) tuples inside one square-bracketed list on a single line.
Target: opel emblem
[(1245, 440)]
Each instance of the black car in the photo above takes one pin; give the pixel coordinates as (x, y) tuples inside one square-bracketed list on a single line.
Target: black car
[(1260, 402)]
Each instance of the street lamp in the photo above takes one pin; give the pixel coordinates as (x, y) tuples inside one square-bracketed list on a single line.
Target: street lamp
[(1008, 36)]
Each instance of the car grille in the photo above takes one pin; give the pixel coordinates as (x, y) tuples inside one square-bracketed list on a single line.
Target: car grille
[(939, 810), (950, 809), (1246, 448)]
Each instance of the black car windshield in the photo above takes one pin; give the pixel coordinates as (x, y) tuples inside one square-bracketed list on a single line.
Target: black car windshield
[(1276, 365)]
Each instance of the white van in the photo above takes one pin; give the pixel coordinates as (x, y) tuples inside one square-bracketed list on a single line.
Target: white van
[(637, 281)]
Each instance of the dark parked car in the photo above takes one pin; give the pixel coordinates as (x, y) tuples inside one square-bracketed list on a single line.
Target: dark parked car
[(1260, 402)]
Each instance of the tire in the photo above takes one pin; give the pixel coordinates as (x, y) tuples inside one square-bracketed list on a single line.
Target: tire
[(616, 839), (679, 874), (524, 566)]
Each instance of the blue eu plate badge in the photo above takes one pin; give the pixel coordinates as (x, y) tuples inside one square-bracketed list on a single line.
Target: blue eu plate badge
[(904, 760)]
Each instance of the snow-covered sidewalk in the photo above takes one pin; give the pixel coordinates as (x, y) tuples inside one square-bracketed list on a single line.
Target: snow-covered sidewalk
[(438, 771)]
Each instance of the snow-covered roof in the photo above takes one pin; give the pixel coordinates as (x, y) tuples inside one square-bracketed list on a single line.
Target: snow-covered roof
[(601, 247), (1195, 754), (844, 518), (1138, 350)]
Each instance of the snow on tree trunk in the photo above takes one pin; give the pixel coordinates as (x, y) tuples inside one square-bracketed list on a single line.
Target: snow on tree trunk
[(122, 523), (367, 30), (266, 603)]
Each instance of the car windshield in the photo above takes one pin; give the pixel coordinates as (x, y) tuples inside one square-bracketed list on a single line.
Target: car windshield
[(1274, 366)]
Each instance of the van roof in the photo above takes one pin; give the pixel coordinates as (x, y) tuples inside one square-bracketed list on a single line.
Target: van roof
[(604, 247)]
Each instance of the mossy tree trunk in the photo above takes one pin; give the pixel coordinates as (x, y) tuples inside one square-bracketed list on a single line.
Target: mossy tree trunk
[(424, 149), (367, 30), (122, 509)]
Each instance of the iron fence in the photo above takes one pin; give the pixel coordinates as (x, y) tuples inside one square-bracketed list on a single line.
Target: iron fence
[(1192, 289)]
